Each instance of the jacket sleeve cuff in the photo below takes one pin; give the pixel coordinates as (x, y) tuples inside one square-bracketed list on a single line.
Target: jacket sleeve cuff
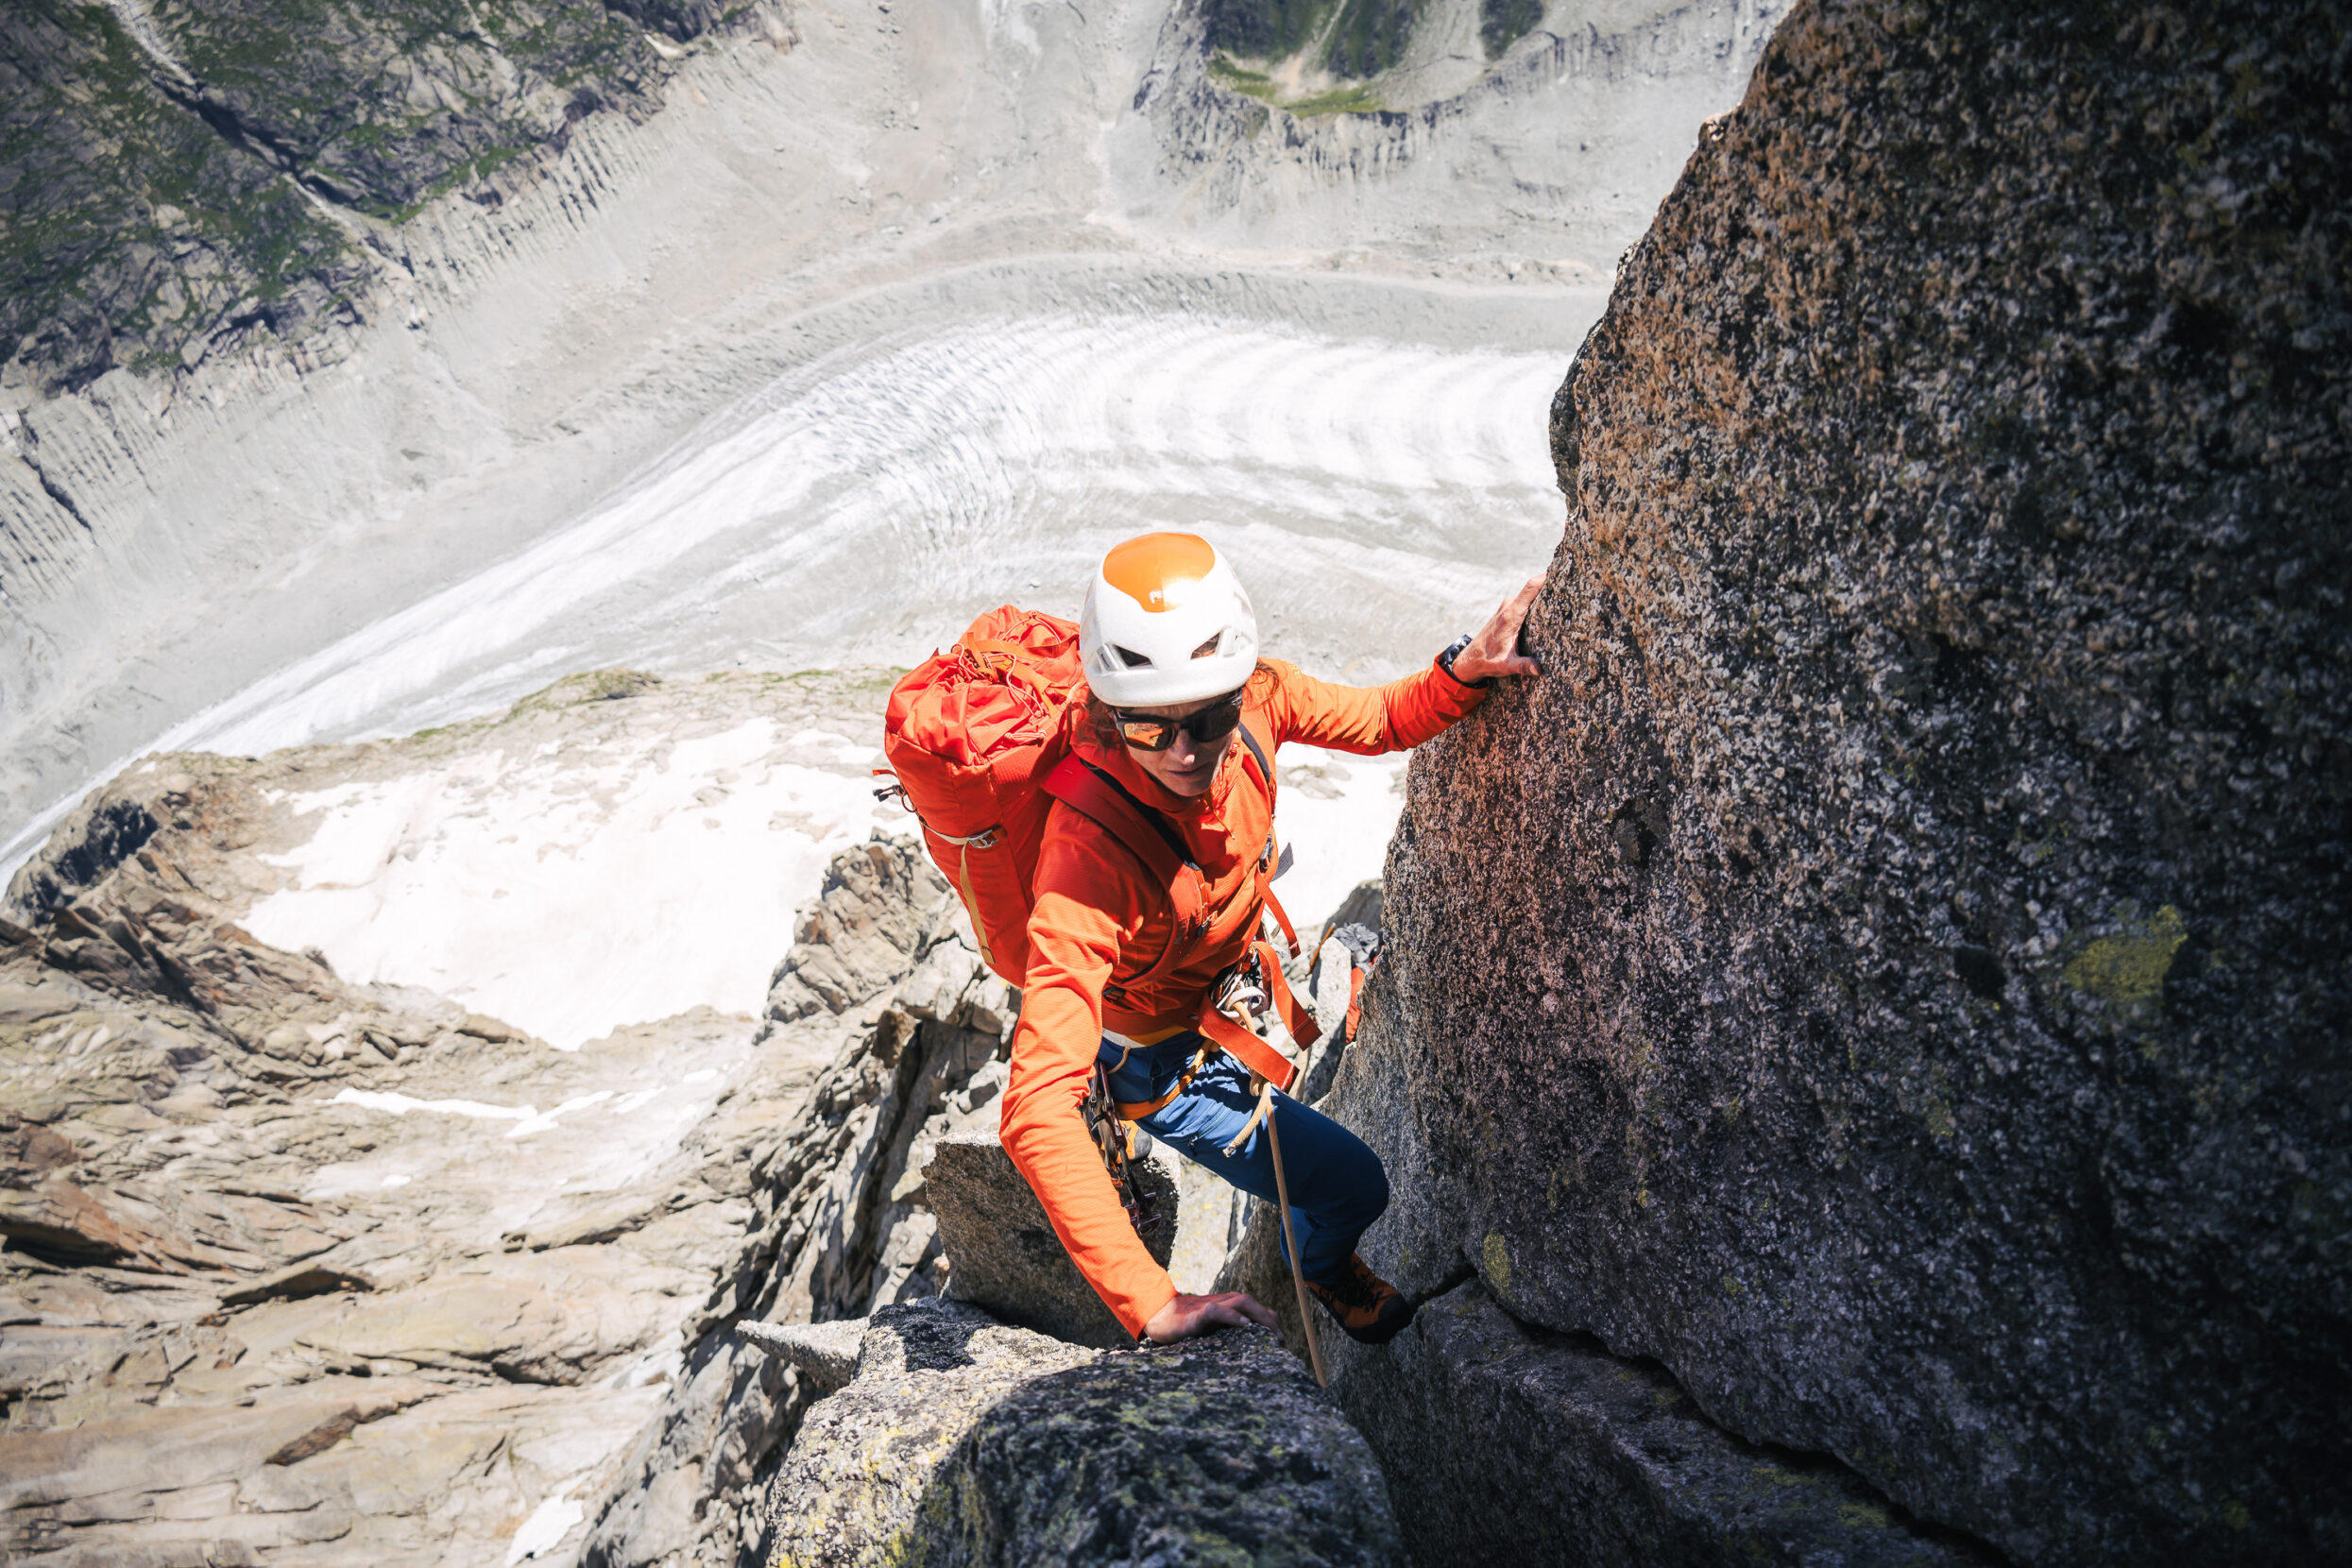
[(1144, 1308), (1450, 696)]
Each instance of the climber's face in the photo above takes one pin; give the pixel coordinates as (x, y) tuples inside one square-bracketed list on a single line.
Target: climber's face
[(1188, 763)]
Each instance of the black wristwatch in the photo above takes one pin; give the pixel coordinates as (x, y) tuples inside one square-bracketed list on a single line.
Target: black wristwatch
[(1445, 661)]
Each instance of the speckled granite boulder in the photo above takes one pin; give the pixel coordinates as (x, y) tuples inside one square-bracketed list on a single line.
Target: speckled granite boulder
[(1002, 1254), (964, 1441), (1891, 969)]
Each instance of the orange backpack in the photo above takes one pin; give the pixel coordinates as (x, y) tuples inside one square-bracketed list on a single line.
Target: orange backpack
[(978, 737), (971, 734)]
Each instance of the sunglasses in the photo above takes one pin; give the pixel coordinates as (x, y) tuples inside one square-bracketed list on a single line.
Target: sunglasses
[(1157, 732)]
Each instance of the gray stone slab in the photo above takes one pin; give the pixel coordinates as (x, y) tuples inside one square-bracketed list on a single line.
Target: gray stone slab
[(1503, 1444), (826, 1354), (1002, 1254)]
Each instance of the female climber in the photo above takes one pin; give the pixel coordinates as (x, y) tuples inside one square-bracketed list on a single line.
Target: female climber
[(1169, 647)]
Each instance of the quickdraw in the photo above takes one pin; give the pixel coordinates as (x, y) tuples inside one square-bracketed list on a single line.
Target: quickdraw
[(1114, 1140)]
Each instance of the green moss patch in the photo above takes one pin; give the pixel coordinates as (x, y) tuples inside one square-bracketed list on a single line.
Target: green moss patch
[(2128, 968)]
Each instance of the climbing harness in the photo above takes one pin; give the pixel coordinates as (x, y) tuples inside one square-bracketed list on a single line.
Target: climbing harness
[(1251, 1015)]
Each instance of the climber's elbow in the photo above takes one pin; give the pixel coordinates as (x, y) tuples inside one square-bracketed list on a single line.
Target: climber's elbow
[(1017, 1124)]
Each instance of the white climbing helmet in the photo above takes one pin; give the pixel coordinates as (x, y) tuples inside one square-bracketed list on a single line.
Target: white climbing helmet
[(1165, 621)]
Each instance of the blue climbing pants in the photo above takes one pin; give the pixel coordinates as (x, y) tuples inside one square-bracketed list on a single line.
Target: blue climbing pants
[(1337, 1186)]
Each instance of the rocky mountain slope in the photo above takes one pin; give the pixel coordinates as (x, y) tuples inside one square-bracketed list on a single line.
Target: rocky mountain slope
[(1888, 973), (188, 178), (1430, 131), (1859, 1056), (297, 1268)]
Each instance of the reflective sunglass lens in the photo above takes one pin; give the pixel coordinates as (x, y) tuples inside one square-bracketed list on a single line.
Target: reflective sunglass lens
[(1212, 723), (1148, 734)]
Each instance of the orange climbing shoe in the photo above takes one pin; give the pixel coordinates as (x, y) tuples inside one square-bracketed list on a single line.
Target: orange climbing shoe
[(1366, 1305)]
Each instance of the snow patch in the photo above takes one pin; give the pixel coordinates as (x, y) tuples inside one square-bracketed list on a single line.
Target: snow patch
[(527, 1119), (1335, 812), (571, 896), (546, 1529)]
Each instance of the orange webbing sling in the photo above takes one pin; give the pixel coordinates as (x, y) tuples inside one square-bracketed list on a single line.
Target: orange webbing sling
[(1241, 1044)]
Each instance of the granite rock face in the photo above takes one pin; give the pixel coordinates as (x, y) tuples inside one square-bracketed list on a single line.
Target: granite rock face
[(862, 935), (1605, 1461), (963, 1440), (1890, 969), (1001, 1250)]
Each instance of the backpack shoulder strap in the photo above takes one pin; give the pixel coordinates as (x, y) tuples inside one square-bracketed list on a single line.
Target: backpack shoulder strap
[(1148, 836), (1087, 788), (1262, 755), (1258, 751)]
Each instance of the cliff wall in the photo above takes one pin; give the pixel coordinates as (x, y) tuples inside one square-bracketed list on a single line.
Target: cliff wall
[(1539, 156), (1890, 970)]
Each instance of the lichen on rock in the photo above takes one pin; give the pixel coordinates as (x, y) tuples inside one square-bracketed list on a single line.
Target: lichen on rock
[(966, 1441)]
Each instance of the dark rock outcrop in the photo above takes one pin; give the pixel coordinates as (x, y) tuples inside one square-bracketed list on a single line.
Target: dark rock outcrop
[(1503, 1443), (1890, 969), (135, 232), (963, 1440)]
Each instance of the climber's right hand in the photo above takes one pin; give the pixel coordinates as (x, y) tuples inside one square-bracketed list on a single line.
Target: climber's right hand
[(1186, 1316)]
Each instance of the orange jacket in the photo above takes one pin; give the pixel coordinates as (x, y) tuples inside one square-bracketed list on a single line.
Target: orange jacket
[(1100, 920)]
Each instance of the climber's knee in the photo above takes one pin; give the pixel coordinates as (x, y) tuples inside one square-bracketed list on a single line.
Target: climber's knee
[(1364, 1187), (1334, 1174), (1375, 1189)]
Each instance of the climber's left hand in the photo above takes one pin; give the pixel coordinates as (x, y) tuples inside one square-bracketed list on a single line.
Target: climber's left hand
[(1495, 650), (1186, 1316)]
